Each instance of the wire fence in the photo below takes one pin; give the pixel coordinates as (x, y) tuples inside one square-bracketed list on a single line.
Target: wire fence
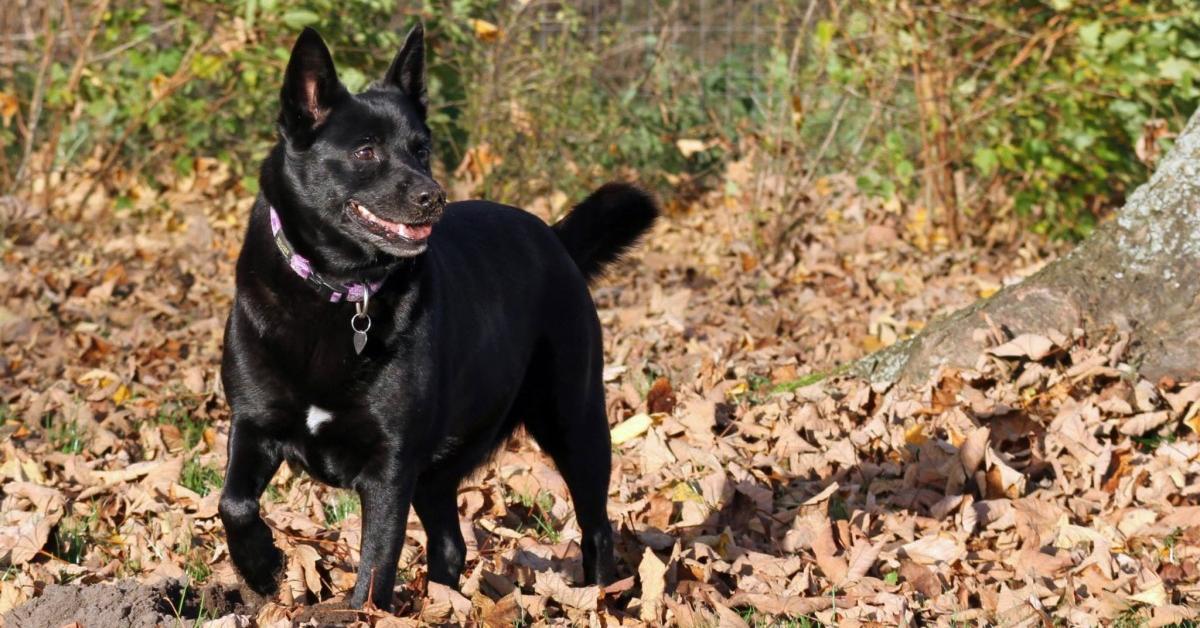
[(730, 43)]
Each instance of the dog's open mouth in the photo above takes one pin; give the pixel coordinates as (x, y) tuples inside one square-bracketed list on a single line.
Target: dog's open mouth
[(387, 228)]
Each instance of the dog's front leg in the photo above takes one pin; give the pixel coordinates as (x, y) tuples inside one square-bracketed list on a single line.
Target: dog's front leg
[(386, 494), (253, 460)]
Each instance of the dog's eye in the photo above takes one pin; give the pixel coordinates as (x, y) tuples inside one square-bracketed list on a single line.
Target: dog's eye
[(366, 153), (422, 154)]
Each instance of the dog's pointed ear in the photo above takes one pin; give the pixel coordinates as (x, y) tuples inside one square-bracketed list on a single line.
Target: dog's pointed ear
[(408, 69), (310, 86)]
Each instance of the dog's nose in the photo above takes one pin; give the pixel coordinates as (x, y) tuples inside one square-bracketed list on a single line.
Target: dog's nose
[(428, 198)]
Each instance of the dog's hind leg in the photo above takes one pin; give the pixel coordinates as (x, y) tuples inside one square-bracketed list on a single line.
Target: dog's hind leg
[(436, 503), (570, 424)]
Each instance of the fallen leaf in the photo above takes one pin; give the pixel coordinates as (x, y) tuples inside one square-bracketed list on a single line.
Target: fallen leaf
[(1156, 595), (652, 574), (862, 557), (825, 549), (631, 428), (920, 578), (553, 586), (1139, 424), (974, 449), (661, 397), (934, 549), (1029, 346)]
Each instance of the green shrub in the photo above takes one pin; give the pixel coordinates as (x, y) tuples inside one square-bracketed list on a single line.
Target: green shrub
[(181, 80), (1034, 106), (170, 82), (1047, 99)]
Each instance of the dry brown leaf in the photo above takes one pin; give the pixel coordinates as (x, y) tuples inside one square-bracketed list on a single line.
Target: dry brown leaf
[(652, 573), (26, 532), (1139, 424), (825, 549), (920, 578), (504, 613), (1029, 346), (1002, 479), (445, 604), (273, 615), (934, 549), (553, 586), (974, 449), (661, 397), (727, 618), (1171, 615), (1155, 595), (655, 452), (823, 495), (862, 557)]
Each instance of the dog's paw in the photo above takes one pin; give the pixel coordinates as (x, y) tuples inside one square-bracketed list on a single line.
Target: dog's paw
[(262, 570), (258, 561)]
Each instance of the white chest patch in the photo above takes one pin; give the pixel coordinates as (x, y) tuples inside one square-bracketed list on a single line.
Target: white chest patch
[(317, 417)]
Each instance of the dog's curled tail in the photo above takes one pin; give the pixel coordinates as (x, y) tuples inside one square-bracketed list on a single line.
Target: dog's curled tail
[(605, 225)]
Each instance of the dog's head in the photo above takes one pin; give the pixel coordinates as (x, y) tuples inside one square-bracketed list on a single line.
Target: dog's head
[(359, 163)]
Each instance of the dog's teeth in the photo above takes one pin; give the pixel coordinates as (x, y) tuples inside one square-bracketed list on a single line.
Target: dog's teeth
[(411, 232)]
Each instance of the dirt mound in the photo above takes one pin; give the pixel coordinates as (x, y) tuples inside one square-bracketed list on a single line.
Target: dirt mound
[(126, 603)]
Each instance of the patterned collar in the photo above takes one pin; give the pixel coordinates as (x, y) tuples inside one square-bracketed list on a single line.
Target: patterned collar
[(299, 264)]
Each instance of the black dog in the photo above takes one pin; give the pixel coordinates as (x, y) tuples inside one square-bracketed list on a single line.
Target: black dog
[(384, 340)]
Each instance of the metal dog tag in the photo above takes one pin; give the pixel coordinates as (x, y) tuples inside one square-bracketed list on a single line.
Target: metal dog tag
[(360, 335)]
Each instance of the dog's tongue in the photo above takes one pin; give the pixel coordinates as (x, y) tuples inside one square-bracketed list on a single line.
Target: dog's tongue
[(415, 232)]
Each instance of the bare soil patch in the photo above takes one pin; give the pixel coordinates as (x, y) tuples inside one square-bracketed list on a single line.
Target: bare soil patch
[(125, 603)]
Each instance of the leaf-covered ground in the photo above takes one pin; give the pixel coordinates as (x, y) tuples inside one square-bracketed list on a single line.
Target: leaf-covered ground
[(752, 484)]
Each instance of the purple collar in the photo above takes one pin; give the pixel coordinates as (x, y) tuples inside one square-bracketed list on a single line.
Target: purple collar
[(352, 292)]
